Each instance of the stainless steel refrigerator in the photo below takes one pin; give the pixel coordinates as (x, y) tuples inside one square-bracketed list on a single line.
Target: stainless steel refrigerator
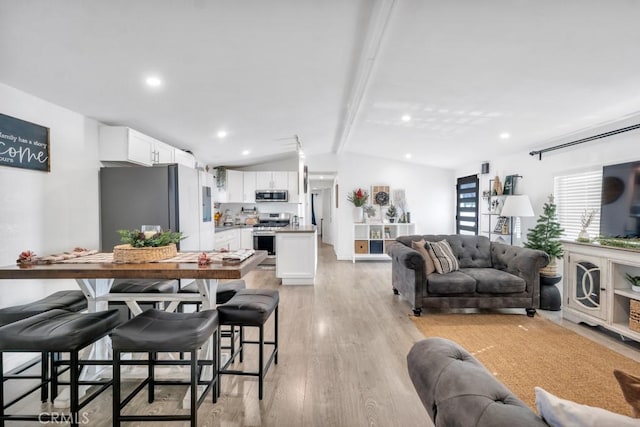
[(172, 196)]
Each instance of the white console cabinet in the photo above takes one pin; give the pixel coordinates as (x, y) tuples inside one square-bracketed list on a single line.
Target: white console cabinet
[(595, 290)]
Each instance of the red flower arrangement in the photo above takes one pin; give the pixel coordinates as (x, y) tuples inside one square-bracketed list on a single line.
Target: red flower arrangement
[(358, 197)]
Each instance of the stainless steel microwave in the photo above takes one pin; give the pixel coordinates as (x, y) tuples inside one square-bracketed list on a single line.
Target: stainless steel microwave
[(272, 196)]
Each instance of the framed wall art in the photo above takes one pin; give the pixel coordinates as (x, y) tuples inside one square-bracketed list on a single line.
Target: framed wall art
[(24, 144)]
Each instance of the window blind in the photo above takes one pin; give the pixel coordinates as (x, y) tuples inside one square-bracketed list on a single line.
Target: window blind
[(575, 194)]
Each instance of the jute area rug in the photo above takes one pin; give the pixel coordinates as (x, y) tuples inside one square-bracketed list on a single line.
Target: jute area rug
[(524, 352)]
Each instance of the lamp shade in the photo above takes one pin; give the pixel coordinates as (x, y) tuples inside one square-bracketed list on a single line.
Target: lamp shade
[(517, 206)]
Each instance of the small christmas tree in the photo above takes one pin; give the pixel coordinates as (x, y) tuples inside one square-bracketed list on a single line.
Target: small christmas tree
[(545, 236), (392, 212)]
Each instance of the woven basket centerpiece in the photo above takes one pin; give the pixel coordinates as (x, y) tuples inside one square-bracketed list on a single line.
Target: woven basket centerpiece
[(129, 254)]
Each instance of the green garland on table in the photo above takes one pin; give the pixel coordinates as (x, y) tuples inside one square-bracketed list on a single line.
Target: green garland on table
[(137, 239), (618, 242)]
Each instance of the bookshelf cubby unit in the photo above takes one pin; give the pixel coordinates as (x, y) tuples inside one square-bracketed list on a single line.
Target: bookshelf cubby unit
[(370, 241)]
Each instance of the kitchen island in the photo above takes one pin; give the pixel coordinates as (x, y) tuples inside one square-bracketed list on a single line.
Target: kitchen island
[(297, 254)]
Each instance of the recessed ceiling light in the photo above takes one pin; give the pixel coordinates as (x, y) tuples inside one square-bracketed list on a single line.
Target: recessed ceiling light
[(408, 155), (321, 177), (504, 135), (222, 133), (245, 152), (153, 81), (406, 118)]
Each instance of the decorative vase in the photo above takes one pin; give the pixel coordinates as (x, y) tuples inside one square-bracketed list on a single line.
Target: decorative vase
[(583, 236), (358, 214), (392, 220)]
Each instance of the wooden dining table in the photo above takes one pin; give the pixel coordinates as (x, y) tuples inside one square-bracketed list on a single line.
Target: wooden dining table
[(96, 278)]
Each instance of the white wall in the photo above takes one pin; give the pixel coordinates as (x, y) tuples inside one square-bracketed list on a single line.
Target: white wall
[(538, 175), (48, 212), (430, 192)]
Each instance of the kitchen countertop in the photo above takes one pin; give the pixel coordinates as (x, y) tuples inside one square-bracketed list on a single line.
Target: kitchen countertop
[(231, 227), (297, 229), (287, 229)]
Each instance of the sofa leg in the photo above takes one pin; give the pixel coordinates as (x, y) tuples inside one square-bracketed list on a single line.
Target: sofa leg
[(395, 291), (417, 311), (531, 312)]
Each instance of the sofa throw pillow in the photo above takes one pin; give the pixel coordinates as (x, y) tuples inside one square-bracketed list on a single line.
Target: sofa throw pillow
[(421, 247), (630, 386), (443, 258), (564, 413)]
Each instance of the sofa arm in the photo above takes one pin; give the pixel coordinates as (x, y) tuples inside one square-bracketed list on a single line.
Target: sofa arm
[(458, 391), (522, 262), (408, 275)]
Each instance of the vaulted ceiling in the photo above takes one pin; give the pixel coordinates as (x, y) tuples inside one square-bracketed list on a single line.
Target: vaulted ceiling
[(339, 74)]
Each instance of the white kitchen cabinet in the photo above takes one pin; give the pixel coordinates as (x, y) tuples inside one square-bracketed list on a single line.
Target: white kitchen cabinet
[(249, 185), (123, 144), (272, 180), (293, 187), (184, 158), (227, 239), (246, 238), (235, 186), (297, 256)]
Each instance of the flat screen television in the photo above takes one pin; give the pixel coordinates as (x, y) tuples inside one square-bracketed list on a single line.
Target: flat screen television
[(620, 203)]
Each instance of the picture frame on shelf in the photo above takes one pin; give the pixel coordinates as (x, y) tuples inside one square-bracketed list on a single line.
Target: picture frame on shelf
[(500, 224), (510, 185)]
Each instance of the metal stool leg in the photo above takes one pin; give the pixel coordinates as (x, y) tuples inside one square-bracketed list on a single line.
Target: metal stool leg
[(2, 391), (74, 376), (151, 373), (116, 389), (194, 388), (275, 340), (260, 361), (44, 372)]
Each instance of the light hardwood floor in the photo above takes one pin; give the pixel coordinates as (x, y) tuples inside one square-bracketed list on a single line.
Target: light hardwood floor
[(342, 359)]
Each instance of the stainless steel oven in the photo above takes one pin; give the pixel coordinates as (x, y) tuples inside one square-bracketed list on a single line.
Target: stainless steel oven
[(265, 240), (264, 233)]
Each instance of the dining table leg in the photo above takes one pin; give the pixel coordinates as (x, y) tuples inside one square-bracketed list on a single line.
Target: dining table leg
[(208, 288), (101, 349)]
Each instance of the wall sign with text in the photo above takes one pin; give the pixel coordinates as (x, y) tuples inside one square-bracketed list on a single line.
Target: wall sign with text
[(23, 144)]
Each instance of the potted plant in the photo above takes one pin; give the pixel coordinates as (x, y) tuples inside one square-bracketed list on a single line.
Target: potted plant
[(359, 199), (392, 213), (545, 236)]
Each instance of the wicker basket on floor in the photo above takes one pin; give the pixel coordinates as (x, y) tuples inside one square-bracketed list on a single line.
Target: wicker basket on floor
[(634, 315), (129, 254)]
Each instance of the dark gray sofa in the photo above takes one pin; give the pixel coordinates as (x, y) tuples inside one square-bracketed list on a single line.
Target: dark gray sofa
[(491, 275), (458, 391)]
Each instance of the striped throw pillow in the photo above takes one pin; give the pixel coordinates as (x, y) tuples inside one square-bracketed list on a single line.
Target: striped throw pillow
[(443, 258)]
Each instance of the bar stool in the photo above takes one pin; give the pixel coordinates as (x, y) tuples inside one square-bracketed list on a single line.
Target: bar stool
[(155, 331), (63, 300), (226, 290), (140, 286), (56, 331), (252, 307)]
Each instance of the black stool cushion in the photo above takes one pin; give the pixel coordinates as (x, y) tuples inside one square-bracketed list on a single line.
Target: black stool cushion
[(156, 330), (225, 291), (249, 307), (57, 330), (138, 286), (63, 300)]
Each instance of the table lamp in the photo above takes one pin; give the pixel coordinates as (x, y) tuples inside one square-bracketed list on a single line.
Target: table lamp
[(516, 206)]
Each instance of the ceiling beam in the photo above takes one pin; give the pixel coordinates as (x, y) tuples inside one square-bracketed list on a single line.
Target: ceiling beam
[(376, 30)]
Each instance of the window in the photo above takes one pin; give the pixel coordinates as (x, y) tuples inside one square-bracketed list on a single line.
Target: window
[(467, 205), (575, 194)]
